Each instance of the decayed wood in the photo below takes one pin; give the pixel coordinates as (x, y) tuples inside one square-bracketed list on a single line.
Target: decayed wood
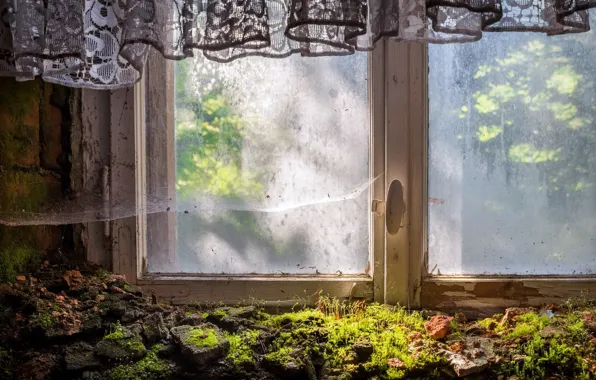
[(396, 156), (94, 152), (272, 290), (417, 168), (161, 168), (122, 182), (376, 78), (496, 293)]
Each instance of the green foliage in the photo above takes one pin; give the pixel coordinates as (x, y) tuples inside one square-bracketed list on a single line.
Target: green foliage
[(334, 332), (16, 258), (527, 325), (486, 133), (281, 356), (488, 323), (151, 367), (219, 314), (531, 107), (202, 337), (117, 333), (45, 320), (525, 153), (543, 358), (241, 352), (125, 339), (209, 151)]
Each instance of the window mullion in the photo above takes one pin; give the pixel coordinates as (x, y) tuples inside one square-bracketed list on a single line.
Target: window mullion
[(405, 120)]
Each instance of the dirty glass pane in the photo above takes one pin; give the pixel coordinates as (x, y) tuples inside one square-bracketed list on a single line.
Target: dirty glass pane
[(277, 147), (513, 155)]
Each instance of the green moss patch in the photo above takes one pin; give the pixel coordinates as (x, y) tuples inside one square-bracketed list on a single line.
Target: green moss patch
[(121, 344), (15, 259), (241, 347), (202, 337), (151, 367)]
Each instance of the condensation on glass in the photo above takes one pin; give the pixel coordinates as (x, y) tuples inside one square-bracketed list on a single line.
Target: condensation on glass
[(512, 167), (291, 133)]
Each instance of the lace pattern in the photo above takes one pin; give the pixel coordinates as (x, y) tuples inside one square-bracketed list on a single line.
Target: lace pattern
[(103, 44)]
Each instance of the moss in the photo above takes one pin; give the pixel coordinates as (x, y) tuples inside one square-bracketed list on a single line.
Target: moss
[(575, 327), (241, 352), (303, 316), (151, 367), (334, 332), (125, 339), (118, 333), (45, 320), (27, 191), (546, 359), (102, 275), (17, 99), (488, 323), (528, 324), (282, 356), (202, 337), (220, 314), (15, 259), (134, 345)]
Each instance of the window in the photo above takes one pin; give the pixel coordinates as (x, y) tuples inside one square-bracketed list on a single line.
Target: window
[(482, 198), (271, 135), (267, 163), (512, 165), (511, 170)]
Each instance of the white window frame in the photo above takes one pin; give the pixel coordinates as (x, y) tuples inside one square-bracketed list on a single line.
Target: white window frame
[(398, 92)]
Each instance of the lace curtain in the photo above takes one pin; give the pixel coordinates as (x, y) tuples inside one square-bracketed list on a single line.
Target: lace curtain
[(104, 43)]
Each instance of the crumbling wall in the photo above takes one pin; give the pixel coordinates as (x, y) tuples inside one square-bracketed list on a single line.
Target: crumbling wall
[(35, 165)]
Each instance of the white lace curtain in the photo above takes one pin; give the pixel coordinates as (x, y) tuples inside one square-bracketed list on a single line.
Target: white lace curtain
[(104, 43)]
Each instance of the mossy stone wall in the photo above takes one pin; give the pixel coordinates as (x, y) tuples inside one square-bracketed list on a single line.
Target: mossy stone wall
[(34, 167)]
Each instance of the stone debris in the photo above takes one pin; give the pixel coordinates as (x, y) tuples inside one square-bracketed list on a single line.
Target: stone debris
[(439, 326)]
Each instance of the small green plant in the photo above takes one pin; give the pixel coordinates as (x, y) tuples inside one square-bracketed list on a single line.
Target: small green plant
[(545, 358), (488, 323), (117, 333), (281, 356), (220, 314), (202, 337), (528, 324), (150, 367), (241, 351), (45, 320), (102, 275), (14, 259)]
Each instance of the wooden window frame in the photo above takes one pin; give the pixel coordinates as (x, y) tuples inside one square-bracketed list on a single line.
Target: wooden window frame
[(398, 95), (279, 291)]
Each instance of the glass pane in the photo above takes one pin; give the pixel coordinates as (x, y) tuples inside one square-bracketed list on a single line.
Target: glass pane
[(512, 176), (288, 133)]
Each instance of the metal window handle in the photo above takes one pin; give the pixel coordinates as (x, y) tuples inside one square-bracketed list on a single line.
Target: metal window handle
[(396, 207)]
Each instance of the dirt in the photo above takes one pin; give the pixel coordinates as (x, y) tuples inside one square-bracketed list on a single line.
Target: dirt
[(85, 323)]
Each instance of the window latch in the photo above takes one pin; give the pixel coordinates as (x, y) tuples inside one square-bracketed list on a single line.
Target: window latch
[(393, 209), (396, 207)]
